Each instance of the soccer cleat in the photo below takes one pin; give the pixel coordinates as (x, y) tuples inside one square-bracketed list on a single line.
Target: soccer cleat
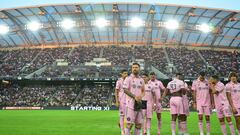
[(201, 133), (208, 133)]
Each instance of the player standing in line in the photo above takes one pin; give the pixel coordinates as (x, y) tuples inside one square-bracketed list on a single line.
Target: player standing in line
[(158, 86), (202, 101), (221, 103), (175, 87), (185, 106), (121, 99), (134, 89), (233, 94), (151, 100)]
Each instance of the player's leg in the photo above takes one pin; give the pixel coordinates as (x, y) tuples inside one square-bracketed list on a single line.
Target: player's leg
[(138, 123), (173, 123), (149, 118), (208, 124), (228, 115), (200, 119), (174, 114), (144, 112), (181, 117), (207, 111), (159, 123), (121, 120), (237, 118), (221, 117), (223, 126), (130, 117), (229, 120)]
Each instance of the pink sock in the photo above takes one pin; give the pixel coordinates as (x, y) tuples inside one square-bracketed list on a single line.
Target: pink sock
[(127, 131), (149, 123), (208, 125), (223, 127), (183, 126), (145, 126), (200, 125), (159, 126), (173, 125), (179, 126), (137, 131), (231, 128), (122, 122), (239, 131)]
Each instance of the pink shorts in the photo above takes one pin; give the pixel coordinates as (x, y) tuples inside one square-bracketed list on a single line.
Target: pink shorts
[(176, 105), (224, 111), (207, 110), (122, 109), (149, 111), (134, 116), (185, 105)]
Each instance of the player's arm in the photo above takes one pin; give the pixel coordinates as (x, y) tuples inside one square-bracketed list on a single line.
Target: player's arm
[(166, 91), (116, 96), (229, 97), (211, 98), (127, 92), (194, 94)]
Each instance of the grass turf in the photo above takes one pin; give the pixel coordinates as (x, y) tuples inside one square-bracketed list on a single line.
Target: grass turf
[(46, 122)]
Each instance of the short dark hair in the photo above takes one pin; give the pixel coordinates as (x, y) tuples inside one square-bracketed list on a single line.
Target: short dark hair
[(145, 74), (178, 74), (202, 73), (135, 63), (152, 73), (232, 74), (124, 70), (215, 77)]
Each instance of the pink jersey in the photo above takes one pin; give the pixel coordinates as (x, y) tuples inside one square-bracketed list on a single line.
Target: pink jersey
[(121, 94), (234, 89), (158, 86), (134, 85), (220, 99), (202, 92), (149, 94), (175, 85)]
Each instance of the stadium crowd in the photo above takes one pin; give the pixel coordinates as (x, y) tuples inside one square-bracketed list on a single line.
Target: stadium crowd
[(188, 61)]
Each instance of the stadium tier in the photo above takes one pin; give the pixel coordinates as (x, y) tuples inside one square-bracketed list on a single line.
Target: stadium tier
[(44, 63)]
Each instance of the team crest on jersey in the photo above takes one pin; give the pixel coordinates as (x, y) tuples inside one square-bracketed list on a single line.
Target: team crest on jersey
[(149, 87), (156, 84)]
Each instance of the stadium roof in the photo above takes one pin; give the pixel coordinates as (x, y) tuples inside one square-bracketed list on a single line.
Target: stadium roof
[(117, 23)]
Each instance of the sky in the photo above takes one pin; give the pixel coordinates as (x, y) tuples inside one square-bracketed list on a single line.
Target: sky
[(223, 4)]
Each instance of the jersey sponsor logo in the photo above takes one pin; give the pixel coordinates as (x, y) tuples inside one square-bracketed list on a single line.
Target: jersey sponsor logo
[(134, 86)]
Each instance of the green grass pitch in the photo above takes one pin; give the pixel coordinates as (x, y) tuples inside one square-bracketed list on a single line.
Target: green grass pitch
[(46, 122)]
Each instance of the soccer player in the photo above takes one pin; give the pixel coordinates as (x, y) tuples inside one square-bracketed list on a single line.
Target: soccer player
[(221, 104), (202, 101), (233, 94), (121, 98), (134, 89), (158, 86), (185, 106), (175, 87), (151, 100)]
